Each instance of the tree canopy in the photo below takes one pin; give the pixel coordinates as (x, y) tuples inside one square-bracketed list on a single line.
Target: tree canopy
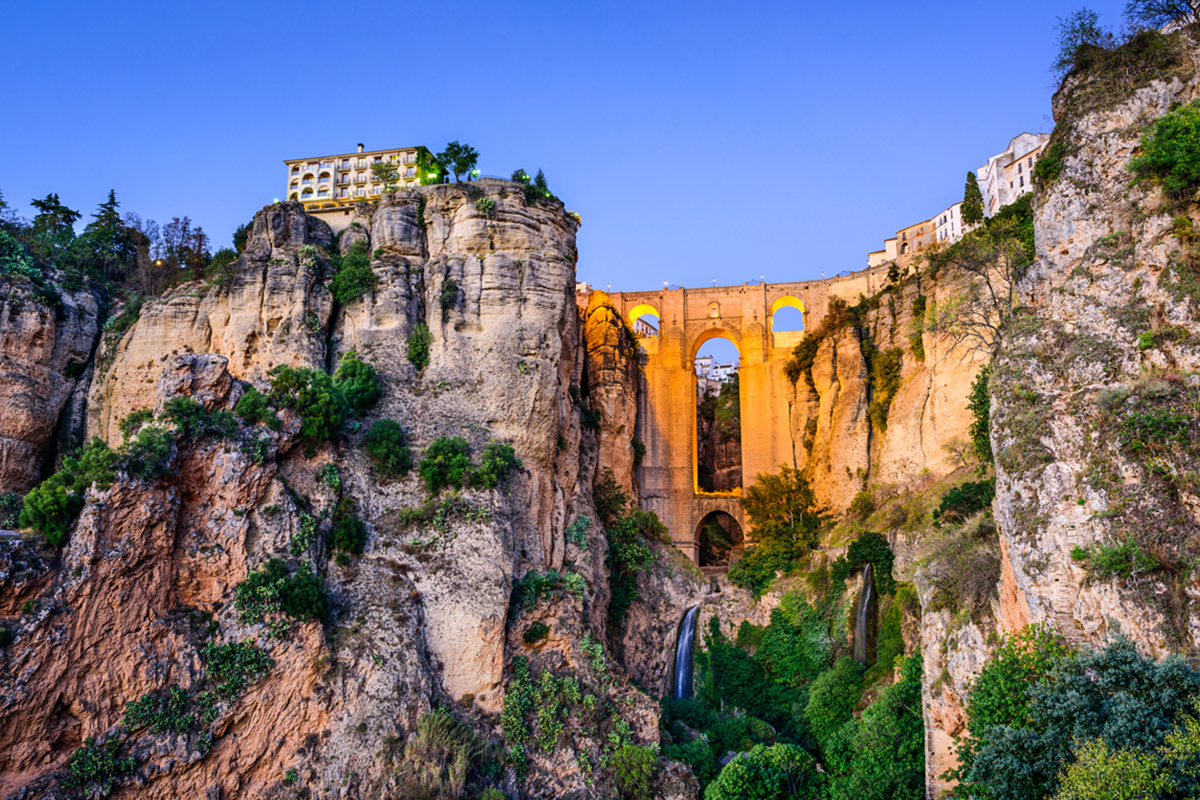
[(459, 158)]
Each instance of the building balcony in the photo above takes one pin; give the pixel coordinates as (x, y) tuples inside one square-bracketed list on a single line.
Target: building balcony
[(360, 178)]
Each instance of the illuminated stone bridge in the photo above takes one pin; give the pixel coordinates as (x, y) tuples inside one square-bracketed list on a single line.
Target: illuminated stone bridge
[(667, 417)]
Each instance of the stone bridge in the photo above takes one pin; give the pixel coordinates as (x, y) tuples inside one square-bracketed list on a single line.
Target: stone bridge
[(667, 417)]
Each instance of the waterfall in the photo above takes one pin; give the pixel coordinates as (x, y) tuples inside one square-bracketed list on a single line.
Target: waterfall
[(862, 617), (683, 654)]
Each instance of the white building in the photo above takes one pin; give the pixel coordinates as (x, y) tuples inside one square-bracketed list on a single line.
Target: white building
[(642, 327), (949, 225), (1007, 176)]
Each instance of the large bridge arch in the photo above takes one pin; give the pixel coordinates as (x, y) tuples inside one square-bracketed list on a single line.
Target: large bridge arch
[(667, 403)]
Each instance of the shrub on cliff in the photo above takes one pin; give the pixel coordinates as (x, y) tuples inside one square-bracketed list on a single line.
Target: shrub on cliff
[(274, 588), (194, 420), (354, 277), (419, 339), (446, 463), (148, 455), (633, 766), (497, 461), (254, 409), (314, 396), (52, 507), (386, 444), (1171, 152), (358, 382), (349, 535), (448, 298), (96, 767)]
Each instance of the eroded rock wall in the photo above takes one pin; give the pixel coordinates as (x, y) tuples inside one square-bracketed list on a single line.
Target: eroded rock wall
[(44, 355)]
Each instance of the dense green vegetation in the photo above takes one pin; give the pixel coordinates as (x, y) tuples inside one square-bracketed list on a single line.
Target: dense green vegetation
[(52, 507), (358, 383), (790, 685), (1043, 721)]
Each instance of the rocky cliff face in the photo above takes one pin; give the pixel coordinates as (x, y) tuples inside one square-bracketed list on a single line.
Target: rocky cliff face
[(423, 617), (925, 432), (1101, 347), (45, 353)]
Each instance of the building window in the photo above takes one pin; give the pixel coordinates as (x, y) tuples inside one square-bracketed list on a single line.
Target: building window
[(345, 163), (295, 167), (378, 159), (1031, 162), (344, 193), (412, 171), (362, 191), (1022, 180), (1020, 168)]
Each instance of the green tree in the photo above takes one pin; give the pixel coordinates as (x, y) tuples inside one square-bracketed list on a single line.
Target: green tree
[(387, 173), (112, 251), (459, 158), (776, 772), (240, 236), (831, 701), (314, 396), (782, 508), (972, 206), (979, 403), (429, 168), (1102, 774), (52, 230), (358, 382)]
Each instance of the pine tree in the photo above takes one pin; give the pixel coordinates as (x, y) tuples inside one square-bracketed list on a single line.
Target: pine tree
[(972, 207)]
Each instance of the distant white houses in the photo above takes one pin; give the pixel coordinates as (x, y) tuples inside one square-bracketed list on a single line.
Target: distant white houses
[(1002, 180), (643, 328), (707, 369)]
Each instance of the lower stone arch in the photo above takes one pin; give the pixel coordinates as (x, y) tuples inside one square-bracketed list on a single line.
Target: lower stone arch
[(718, 537)]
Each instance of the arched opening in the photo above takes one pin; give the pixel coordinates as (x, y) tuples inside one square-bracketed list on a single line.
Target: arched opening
[(307, 194), (718, 414), (718, 538), (645, 320), (787, 315), (294, 196)]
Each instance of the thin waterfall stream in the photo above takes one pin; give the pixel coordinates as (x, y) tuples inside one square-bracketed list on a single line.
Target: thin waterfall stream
[(683, 655), (862, 617)]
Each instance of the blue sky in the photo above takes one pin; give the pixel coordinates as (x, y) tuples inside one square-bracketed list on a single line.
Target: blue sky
[(697, 140)]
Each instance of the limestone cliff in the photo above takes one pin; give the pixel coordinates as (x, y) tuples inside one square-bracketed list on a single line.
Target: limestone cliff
[(1101, 344), (45, 354), (425, 616)]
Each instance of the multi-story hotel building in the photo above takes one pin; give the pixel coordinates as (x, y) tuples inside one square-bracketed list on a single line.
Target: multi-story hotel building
[(332, 181)]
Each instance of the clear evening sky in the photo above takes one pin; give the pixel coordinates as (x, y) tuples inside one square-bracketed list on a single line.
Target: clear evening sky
[(697, 140)]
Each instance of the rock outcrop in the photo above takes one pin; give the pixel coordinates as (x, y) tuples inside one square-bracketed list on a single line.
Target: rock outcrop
[(45, 351)]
